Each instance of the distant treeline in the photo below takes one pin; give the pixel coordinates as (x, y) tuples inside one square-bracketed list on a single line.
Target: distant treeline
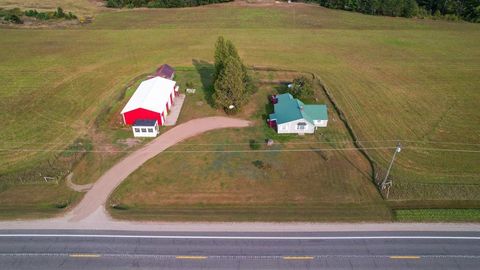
[(161, 3), (468, 10)]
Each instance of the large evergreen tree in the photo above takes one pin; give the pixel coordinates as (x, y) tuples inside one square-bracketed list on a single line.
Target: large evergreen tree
[(221, 54), (232, 51), (232, 84), (230, 92)]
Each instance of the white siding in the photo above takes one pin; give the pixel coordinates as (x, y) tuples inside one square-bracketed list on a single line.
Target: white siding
[(320, 123), (140, 131), (292, 127)]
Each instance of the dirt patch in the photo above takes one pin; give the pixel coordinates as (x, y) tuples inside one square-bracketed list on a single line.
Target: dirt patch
[(78, 188), (130, 142), (257, 3)]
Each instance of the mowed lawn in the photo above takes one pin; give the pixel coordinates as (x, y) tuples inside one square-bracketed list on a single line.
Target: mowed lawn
[(395, 79)]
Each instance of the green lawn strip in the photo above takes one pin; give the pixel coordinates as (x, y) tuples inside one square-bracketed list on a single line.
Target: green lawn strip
[(36, 200), (289, 212)]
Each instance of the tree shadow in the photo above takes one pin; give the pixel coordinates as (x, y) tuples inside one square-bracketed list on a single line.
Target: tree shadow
[(205, 70), (268, 109), (282, 87)]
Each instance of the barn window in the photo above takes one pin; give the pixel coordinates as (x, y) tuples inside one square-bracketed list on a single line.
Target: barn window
[(301, 126), (150, 130), (137, 130), (144, 130)]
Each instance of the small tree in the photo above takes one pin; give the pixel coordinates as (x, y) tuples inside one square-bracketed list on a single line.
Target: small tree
[(13, 19), (302, 87), (59, 13)]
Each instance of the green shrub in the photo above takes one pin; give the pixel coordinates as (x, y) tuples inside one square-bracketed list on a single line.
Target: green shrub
[(31, 13), (259, 164), (189, 84), (61, 205), (262, 165), (254, 145), (302, 88), (13, 19), (58, 14), (120, 206)]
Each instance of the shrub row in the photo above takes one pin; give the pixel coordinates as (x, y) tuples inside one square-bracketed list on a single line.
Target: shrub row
[(11, 15), (58, 14), (14, 15)]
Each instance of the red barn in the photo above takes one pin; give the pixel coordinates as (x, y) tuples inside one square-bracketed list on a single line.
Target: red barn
[(151, 101)]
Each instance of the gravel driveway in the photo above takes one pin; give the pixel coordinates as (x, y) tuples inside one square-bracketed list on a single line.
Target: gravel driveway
[(104, 186)]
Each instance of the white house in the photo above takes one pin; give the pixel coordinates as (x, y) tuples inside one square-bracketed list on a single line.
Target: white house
[(145, 128), (293, 116)]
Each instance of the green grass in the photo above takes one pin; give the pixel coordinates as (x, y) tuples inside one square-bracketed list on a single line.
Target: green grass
[(344, 212), (36, 200), (438, 215), (395, 78)]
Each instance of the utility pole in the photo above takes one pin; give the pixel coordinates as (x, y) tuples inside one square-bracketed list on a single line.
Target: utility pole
[(385, 183)]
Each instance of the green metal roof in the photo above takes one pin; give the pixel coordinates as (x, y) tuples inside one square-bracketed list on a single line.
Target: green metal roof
[(289, 109)]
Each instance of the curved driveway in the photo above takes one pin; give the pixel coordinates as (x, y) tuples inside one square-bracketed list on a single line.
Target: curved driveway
[(104, 186)]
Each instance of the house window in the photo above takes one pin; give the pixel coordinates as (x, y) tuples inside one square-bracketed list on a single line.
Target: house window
[(150, 130), (144, 130), (137, 130), (301, 126)]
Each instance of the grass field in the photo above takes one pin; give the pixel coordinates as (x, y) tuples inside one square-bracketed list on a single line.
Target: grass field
[(395, 78)]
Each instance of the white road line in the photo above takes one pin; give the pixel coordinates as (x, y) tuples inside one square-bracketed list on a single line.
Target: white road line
[(226, 237)]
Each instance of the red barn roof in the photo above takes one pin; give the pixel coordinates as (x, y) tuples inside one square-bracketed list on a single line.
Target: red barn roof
[(165, 71)]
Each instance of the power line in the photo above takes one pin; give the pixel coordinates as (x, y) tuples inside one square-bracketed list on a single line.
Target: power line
[(243, 151), (280, 143)]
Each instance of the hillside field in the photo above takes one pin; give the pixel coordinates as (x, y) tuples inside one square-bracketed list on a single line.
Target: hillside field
[(396, 79)]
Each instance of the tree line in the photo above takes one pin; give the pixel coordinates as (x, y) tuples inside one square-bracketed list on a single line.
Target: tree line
[(15, 15), (231, 82), (160, 3), (468, 10)]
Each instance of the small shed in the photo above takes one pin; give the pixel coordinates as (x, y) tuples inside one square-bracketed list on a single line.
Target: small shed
[(293, 116), (165, 71), (145, 128)]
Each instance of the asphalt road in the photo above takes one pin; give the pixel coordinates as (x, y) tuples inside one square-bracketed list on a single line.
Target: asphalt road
[(176, 250)]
